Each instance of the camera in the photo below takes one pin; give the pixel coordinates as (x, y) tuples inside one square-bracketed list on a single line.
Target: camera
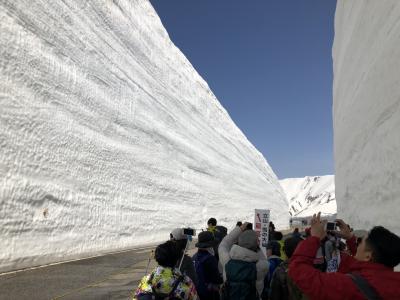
[(189, 231), (331, 226)]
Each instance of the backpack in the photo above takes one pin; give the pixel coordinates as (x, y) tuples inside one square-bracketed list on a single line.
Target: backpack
[(287, 288), (202, 284), (220, 233), (294, 292), (240, 282), (161, 296), (274, 262)]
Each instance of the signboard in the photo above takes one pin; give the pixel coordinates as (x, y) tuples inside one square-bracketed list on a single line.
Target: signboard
[(261, 221)]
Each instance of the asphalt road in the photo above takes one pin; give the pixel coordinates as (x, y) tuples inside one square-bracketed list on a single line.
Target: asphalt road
[(112, 276)]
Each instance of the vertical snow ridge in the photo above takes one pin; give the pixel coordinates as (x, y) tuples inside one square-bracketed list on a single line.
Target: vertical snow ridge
[(366, 112), (108, 136)]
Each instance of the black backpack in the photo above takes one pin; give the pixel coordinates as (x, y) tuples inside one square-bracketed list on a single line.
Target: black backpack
[(220, 233), (202, 284), (241, 277)]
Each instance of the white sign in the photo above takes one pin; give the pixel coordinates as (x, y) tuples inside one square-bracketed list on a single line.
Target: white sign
[(261, 226)]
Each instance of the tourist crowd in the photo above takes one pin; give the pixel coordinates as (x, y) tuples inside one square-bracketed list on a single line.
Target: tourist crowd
[(320, 264)]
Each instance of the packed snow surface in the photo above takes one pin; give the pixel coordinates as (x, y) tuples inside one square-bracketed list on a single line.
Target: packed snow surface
[(366, 112), (109, 138), (310, 195)]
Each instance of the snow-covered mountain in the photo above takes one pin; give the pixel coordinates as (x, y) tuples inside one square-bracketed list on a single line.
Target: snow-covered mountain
[(366, 112), (310, 195), (109, 138)]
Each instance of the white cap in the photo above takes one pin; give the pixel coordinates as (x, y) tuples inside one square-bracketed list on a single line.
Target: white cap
[(177, 234)]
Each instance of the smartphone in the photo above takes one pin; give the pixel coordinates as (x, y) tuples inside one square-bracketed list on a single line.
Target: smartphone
[(331, 226), (189, 231)]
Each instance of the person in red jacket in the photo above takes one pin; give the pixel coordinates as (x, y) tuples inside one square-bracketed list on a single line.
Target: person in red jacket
[(367, 275)]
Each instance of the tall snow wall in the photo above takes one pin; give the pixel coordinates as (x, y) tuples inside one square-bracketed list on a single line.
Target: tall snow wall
[(109, 138), (366, 112)]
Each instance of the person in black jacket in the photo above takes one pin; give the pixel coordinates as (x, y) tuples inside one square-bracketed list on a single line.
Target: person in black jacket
[(218, 231), (206, 265), (187, 266)]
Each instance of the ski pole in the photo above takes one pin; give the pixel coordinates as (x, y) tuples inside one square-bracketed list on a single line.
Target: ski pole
[(184, 252), (148, 261)]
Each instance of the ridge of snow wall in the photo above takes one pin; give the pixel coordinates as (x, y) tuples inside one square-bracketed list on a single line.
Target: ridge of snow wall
[(109, 138), (366, 112)]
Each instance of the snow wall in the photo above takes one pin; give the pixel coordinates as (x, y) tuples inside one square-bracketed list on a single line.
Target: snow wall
[(366, 112), (109, 138)]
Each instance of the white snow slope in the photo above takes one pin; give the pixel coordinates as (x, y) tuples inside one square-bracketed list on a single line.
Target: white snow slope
[(109, 138), (309, 195), (366, 112)]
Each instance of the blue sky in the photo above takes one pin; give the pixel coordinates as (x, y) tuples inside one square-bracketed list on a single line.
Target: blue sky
[(269, 63)]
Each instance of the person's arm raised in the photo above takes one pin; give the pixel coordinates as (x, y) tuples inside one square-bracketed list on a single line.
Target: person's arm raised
[(312, 282), (227, 243), (345, 232)]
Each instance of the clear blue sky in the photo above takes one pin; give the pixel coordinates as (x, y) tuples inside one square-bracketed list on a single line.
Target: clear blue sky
[(269, 63)]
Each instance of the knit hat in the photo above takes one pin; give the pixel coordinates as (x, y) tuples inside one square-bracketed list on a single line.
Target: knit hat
[(205, 240), (248, 239), (177, 234)]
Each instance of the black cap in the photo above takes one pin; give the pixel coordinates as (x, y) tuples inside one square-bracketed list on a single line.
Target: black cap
[(206, 240)]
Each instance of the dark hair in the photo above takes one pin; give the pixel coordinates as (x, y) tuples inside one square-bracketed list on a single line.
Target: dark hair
[(296, 230), (271, 225), (342, 246), (181, 244), (290, 245), (249, 226), (278, 235), (330, 233), (167, 254), (385, 246), (239, 223), (212, 221), (275, 248)]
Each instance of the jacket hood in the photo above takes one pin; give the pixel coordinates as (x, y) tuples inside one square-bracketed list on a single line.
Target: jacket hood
[(241, 253)]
